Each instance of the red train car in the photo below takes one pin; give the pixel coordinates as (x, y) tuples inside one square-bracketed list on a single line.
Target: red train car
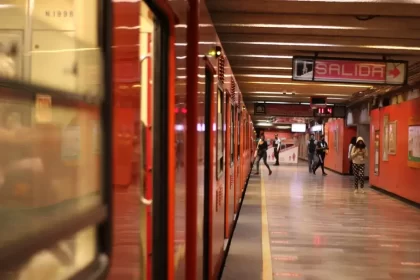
[(175, 203)]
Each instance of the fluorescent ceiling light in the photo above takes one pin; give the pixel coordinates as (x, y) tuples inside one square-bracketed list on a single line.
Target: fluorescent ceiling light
[(295, 26), (338, 98), (184, 68), (185, 26), (263, 124), (265, 76), (269, 92), (264, 67), (279, 102), (262, 56), (303, 84), (284, 44), (305, 103), (185, 57), (283, 126), (201, 43), (290, 44), (390, 47)]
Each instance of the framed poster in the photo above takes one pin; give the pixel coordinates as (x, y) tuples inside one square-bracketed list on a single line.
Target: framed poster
[(392, 138), (377, 145), (414, 145), (336, 139), (385, 138)]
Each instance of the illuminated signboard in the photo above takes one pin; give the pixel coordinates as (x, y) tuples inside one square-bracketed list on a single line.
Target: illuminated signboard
[(323, 112), (349, 71)]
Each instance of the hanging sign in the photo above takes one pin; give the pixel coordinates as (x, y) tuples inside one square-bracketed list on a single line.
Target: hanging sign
[(350, 71), (259, 109)]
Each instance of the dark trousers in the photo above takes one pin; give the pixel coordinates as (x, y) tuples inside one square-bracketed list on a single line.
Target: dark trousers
[(359, 175), (320, 162), (311, 157), (276, 155), (351, 168), (262, 155)]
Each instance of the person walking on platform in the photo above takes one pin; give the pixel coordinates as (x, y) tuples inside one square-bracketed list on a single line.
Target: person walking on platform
[(262, 154), (321, 150), (352, 144), (359, 156), (276, 149), (311, 152)]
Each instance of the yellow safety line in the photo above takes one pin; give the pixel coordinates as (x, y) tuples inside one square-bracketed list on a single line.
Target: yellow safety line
[(267, 270)]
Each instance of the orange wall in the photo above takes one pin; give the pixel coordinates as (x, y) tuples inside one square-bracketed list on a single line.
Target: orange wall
[(282, 134), (394, 175), (337, 157)]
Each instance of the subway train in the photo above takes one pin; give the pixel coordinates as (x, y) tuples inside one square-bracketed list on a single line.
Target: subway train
[(126, 144)]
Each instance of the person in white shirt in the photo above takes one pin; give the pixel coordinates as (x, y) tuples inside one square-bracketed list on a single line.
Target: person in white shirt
[(352, 144), (277, 144)]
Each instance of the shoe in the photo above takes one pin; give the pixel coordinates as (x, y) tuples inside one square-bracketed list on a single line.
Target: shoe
[(362, 191), (324, 174), (313, 171), (270, 172), (356, 191)]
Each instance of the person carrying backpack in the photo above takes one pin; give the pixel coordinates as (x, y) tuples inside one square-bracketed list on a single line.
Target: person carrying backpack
[(311, 152)]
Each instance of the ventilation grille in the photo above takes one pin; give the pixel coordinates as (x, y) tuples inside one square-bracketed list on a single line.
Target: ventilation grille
[(221, 67), (232, 90)]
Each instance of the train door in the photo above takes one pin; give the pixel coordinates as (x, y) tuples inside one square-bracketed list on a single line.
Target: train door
[(230, 171), (141, 142), (238, 157), (55, 168)]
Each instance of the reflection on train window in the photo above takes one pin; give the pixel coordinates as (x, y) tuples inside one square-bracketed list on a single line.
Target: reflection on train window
[(147, 60), (220, 119), (60, 261), (232, 132), (50, 138), (50, 162), (58, 46), (239, 133), (246, 134)]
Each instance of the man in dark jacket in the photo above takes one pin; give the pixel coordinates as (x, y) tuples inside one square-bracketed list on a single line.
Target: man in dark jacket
[(311, 152), (321, 150)]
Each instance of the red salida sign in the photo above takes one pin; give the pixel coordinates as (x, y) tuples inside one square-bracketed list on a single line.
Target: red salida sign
[(356, 71), (349, 71)]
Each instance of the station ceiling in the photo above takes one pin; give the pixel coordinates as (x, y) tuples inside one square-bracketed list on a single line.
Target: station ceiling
[(261, 37)]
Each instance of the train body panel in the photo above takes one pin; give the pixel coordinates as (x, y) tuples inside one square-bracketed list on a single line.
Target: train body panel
[(223, 150)]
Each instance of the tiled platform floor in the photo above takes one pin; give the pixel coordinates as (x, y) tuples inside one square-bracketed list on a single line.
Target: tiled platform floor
[(317, 228)]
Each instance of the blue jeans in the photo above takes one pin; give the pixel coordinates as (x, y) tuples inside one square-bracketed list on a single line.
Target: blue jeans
[(311, 157)]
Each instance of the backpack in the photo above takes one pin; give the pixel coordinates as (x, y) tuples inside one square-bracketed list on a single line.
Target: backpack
[(312, 146)]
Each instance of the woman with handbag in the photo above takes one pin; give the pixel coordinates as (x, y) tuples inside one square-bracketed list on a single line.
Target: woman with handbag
[(262, 148)]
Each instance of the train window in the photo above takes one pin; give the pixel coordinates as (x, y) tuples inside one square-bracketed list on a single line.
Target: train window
[(246, 135), (53, 194), (60, 38), (239, 133), (232, 133), (220, 134)]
